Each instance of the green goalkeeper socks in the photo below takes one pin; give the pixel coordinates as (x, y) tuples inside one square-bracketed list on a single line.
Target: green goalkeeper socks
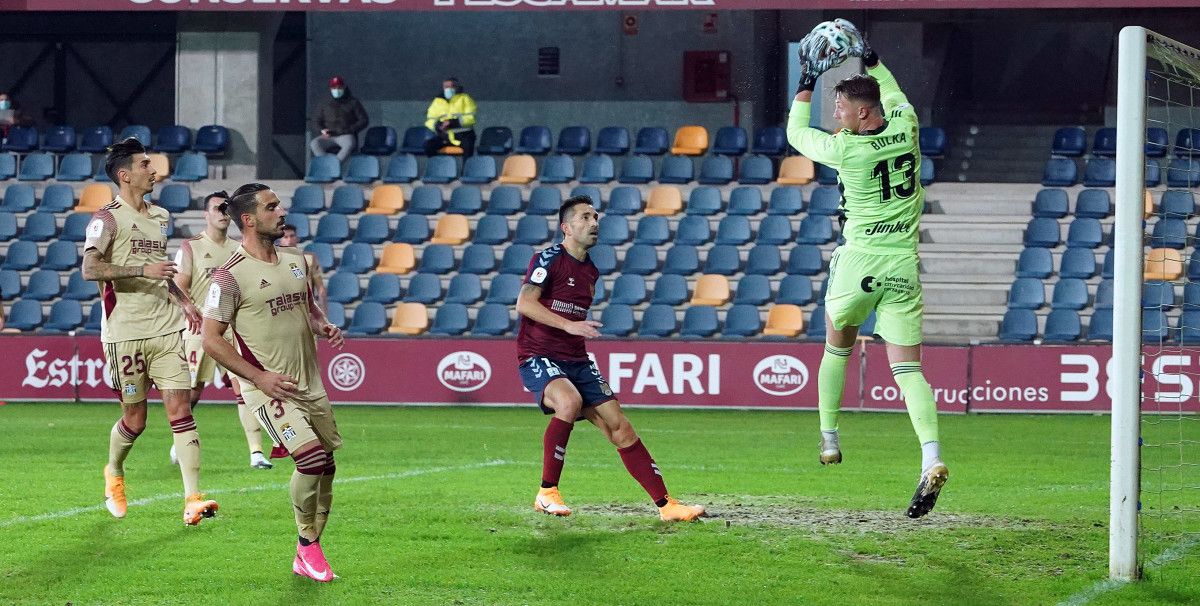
[(831, 382), (918, 397)]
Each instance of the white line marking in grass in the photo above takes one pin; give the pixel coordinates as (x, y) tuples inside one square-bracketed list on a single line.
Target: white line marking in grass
[(67, 513), (1171, 554)]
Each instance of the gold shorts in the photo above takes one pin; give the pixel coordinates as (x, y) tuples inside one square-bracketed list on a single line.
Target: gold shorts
[(297, 421), (201, 366), (134, 365)]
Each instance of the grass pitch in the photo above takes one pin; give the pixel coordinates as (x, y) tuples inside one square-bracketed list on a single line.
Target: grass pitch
[(433, 506)]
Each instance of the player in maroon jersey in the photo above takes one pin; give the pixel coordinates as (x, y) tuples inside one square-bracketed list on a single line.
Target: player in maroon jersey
[(553, 305)]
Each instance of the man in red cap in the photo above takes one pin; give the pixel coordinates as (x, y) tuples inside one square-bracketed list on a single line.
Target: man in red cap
[(339, 121)]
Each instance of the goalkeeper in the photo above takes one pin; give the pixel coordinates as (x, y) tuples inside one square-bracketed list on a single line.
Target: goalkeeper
[(878, 163)]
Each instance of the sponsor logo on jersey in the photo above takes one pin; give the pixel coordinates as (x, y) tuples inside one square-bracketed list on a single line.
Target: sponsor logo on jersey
[(287, 302), (264, 283), (464, 371), (870, 284), (570, 281), (879, 227), (780, 375)]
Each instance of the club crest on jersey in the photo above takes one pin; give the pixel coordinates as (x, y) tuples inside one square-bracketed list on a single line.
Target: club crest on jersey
[(287, 431), (296, 271), (264, 283), (163, 227)]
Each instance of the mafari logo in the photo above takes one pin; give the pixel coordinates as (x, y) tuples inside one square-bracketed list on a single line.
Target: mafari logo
[(464, 371), (780, 375), (347, 371)]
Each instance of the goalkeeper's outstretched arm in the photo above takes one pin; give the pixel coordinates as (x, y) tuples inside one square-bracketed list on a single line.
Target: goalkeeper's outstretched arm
[(889, 90), (812, 143)]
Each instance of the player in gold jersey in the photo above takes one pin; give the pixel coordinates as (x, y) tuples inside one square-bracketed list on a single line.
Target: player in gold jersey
[(263, 293), (125, 250), (196, 260)]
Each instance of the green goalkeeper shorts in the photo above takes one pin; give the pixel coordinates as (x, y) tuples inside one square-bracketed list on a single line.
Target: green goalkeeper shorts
[(860, 282)]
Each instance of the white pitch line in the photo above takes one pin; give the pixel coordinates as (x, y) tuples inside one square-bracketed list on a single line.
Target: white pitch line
[(1171, 554), (67, 513)]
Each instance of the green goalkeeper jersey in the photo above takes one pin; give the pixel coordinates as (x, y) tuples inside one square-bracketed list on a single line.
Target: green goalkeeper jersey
[(879, 172)]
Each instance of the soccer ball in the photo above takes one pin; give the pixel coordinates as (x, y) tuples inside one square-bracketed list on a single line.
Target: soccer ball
[(838, 40)]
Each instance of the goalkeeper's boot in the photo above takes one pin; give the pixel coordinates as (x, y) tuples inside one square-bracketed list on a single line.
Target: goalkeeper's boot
[(674, 511), (550, 502), (831, 452), (114, 494), (310, 562), (928, 489), (196, 508)]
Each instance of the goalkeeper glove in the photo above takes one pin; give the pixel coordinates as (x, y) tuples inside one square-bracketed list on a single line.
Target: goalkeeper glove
[(861, 48), (815, 60)]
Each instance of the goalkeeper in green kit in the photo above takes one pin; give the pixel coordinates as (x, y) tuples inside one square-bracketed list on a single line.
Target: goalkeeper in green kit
[(877, 269)]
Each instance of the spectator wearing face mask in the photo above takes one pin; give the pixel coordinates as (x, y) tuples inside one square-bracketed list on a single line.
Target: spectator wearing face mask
[(10, 115), (451, 117), (339, 119)]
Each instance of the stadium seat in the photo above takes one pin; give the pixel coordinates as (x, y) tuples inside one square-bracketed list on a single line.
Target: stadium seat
[(1163, 264), (43, 285), (505, 200), (815, 229), (372, 229), (492, 229), (95, 196), (479, 169), (323, 169), (25, 315), (1100, 172), (669, 289), (1156, 142), (534, 140), (682, 259), (401, 169), (699, 322), (796, 170), (440, 169), (574, 140), (764, 259), (1187, 143), (95, 139), (493, 320), (437, 259), (1104, 295), (39, 227), (36, 167), (383, 288), (928, 171), (172, 139), (658, 321), (495, 141), (426, 200), (690, 141), (1147, 204), (8, 166), (744, 200), (597, 168), (711, 289), (795, 290), (424, 288), (640, 259), (664, 200), (617, 320), (704, 201), (1191, 296), (1100, 326), (716, 170), (932, 141), (8, 226), (785, 201), (693, 230), (519, 169), (410, 318), (59, 139), (1158, 295), (361, 168), (591, 192), (1104, 144), (805, 260), (74, 228), (465, 200), (1188, 327), (1181, 172), (1169, 233), (414, 140), (774, 230), (651, 140), (604, 257), (397, 258), (733, 229), (385, 200), (533, 230), (742, 320), (784, 320), (1153, 173), (1019, 325), (343, 287), (557, 168), (370, 318), (516, 259), (824, 200), (347, 200), (1106, 270), (1075, 263), (722, 259), (1026, 293), (1085, 232), (1069, 293), (545, 200), (1060, 172), (192, 167), (80, 289), (753, 290), (636, 169), (612, 140), (756, 170), (1155, 327), (650, 230), (628, 289), (65, 316), (1070, 141), (769, 141), (21, 140), (1042, 232), (677, 170), (323, 251), (21, 255), (1178, 203), (826, 175), (379, 141), (1094, 203), (18, 198), (730, 141), (478, 258), (176, 197), (465, 289), (10, 284), (213, 140), (359, 258)]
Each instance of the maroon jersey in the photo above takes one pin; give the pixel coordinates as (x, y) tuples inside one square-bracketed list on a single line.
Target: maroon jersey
[(568, 286)]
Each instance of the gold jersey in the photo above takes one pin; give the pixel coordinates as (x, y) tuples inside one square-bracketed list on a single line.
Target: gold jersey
[(206, 257)]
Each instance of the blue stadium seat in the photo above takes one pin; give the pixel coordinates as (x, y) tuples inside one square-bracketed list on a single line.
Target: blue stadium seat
[(437, 259), (505, 200), (21, 140), (176, 197), (640, 259), (18, 198), (1019, 325), (1075, 263), (414, 140), (636, 169), (612, 140), (693, 230), (591, 191), (617, 320), (425, 200), (401, 169), (745, 200), (532, 229), (1060, 172), (372, 229), (1177, 203), (557, 168), (65, 315), (1169, 233), (544, 200), (785, 201), (8, 226), (495, 141), (775, 230), (928, 170), (1155, 328), (173, 139), (1085, 232), (1069, 293), (682, 260), (383, 288), (815, 229), (492, 229), (658, 321), (1069, 141), (574, 140), (493, 320), (1026, 293), (1158, 295), (815, 329), (676, 169), (752, 290), (347, 200), (333, 229), (597, 168), (61, 255), (1181, 172), (805, 260), (297, 220), (465, 200), (764, 259), (424, 288), (769, 141), (1187, 143), (57, 198), (43, 285), (369, 319), (8, 166), (503, 288), (440, 169), (1153, 173), (479, 169), (932, 141), (704, 200), (624, 200), (211, 140), (1104, 295), (653, 230), (10, 284), (534, 140), (826, 175), (1104, 144), (1042, 232), (361, 168), (628, 289), (824, 201), (516, 259), (465, 289), (1094, 203), (600, 293), (74, 167), (1051, 203), (741, 321), (79, 289), (730, 141), (323, 169), (604, 257), (1156, 142), (378, 141), (1106, 270), (796, 290), (24, 315), (478, 258), (1100, 172), (336, 314), (343, 287), (39, 227), (722, 259), (699, 321), (36, 167), (1189, 326), (95, 139), (756, 170), (192, 167), (74, 228), (323, 251), (358, 258), (716, 170), (1037, 263), (651, 140), (733, 229)]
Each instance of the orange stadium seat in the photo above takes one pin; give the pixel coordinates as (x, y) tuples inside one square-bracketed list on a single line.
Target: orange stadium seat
[(93, 197), (451, 150), (410, 319), (397, 258), (796, 170), (690, 141), (386, 200), (1147, 204), (451, 229), (711, 289), (519, 169), (1164, 264), (784, 321), (665, 201), (161, 165)]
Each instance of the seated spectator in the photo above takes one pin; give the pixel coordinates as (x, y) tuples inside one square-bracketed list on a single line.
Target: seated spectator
[(451, 117), (11, 115), (339, 119)]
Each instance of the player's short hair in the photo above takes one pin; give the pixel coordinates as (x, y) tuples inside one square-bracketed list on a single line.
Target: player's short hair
[(223, 195), (859, 88), (244, 201), (120, 157), (564, 211)]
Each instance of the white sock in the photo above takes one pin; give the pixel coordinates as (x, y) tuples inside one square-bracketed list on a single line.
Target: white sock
[(930, 454), (831, 439)]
